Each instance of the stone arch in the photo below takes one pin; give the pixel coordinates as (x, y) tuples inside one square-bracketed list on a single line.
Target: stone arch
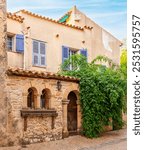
[(75, 90), (45, 98), (71, 89), (72, 113), (32, 94)]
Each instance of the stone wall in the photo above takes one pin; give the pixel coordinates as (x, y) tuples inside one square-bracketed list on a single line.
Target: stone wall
[(32, 129), (3, 66)]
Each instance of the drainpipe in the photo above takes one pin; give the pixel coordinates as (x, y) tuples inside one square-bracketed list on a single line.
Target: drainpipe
[(26, 35)]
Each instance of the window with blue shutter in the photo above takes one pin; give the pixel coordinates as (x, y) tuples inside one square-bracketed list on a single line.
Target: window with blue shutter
[(39, 53), (20, 43), (65, 53), (83, 52)]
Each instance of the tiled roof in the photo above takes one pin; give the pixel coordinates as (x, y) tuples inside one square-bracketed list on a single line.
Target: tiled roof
[(15, 17), (38, 74), (49, 19)]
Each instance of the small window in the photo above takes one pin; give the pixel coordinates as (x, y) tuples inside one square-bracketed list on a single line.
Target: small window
[(71, 53), (45, 98), (10, 43), (39, 53), (31, 98), (67, 53)]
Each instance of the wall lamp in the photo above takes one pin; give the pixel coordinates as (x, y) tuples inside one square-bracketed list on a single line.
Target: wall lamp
[(59, 85)]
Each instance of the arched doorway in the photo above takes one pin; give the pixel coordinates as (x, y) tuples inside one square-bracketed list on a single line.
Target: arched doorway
[(72, 114)]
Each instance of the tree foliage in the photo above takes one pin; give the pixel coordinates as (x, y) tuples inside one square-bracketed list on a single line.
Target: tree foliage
[(123, 62), (102, 93)]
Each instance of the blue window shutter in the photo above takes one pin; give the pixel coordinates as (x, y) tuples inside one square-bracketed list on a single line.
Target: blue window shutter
[(35, 53), (65, 53), (19, 43), (42, 54), (83, 52)]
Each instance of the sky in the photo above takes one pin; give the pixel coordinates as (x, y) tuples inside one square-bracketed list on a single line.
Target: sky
[(110, 14)]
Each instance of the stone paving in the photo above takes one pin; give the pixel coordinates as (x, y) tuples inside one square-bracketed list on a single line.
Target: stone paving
[(114, 140)]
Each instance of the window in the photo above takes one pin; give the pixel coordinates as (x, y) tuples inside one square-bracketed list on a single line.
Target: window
[(39, 53), (68, 52), (32, 98), (72, 52), (15, 43), (45, 97), (10, 43)]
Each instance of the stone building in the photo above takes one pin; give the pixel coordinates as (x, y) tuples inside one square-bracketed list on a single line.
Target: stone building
[(37, 104)]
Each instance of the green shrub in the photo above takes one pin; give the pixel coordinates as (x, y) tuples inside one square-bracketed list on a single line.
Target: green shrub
[(102, 93)]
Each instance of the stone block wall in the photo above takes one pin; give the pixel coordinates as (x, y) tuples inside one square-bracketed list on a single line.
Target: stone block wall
[(3, 67), (38, 128)]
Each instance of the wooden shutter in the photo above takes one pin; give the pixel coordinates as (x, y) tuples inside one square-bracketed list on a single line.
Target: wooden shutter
[(35, 53), (19, 43), (83, 52), (42, 54), (65, 53)]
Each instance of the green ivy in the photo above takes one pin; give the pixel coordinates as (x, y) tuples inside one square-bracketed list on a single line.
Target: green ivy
[(102, 93)]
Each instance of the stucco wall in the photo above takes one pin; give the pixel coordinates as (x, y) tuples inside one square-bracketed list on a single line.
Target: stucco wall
[(15, 59), (96, 40), (46, 31), (103, 43)]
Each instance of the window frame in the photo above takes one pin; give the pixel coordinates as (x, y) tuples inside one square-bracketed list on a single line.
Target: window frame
[(39, 55), (13, 42), (72, 51)]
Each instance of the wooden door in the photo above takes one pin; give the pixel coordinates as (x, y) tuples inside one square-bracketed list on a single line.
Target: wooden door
[(72, 113)]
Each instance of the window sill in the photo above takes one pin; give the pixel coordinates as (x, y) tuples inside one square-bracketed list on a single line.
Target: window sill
[(39, 112), (15, 52), (39, 66)]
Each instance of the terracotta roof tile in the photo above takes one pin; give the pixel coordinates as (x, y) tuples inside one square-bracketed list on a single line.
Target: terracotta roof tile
[(49, 19), (15, 17), (39, 74), (88, 27)]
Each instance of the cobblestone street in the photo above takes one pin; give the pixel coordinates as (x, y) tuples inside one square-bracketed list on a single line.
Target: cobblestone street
[(114, 140)]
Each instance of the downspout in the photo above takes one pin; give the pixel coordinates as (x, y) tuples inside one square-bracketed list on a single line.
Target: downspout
[(26, 35)]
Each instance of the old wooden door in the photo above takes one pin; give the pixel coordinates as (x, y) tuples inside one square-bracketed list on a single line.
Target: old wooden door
[(72, 113)]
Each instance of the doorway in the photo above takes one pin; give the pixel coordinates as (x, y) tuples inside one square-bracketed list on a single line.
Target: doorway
[(72, 113)]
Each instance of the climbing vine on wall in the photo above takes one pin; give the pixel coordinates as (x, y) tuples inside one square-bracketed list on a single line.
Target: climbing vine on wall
[(102, 93)]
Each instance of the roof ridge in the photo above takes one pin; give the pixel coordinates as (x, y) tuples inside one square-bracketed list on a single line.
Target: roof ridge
[(49, 19)]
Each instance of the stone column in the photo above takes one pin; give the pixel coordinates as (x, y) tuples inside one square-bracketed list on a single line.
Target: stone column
[(24, 105), (37, 101), (3, 67), (78, 117), (65, 129)]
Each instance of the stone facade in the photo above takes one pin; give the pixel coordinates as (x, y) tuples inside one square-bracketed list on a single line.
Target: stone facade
[(3, 67), (30, 125)]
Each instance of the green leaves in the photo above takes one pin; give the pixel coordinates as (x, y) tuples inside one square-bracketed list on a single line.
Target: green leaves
[(102, 92)]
